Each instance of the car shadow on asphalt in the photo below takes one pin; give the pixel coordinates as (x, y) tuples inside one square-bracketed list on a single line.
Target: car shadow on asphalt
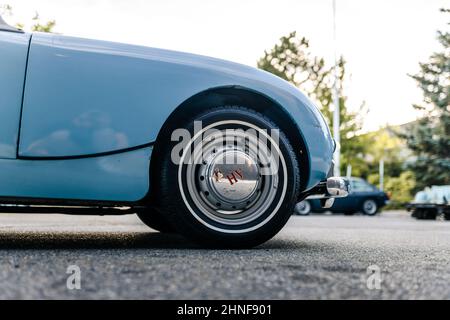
[(91, 240), (12, 240)]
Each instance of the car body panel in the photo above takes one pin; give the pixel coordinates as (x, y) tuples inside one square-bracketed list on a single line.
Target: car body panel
[(13, 61), (120, 177), (354, 201), (101, 96), (88, 103)]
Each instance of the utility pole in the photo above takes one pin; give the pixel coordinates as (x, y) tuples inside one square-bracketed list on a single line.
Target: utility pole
[(336, 114), (349, 171), (381, 172)]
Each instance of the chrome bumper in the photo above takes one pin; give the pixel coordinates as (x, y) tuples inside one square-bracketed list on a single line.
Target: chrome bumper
[(338, 187), (328, 190)]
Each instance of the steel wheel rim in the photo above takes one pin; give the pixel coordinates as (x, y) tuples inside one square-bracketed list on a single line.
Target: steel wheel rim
[(215, 204), (259, 204), (303, 207), (370, 207)]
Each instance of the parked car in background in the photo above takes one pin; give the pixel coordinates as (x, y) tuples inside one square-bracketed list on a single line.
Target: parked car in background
[(430, 203), (363, 197)]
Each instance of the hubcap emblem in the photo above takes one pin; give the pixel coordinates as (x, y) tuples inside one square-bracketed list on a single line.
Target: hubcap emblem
[(233, 176), (233, 179), (217, 175)]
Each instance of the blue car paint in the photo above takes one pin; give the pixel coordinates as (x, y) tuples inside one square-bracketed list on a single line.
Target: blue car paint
[(108, 96), (13, 60), (84, 97), (120, 177)]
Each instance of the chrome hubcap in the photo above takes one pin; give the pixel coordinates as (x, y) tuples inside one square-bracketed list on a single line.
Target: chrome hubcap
[(303, 207), (230, 179), (370, 207), (225, 179)]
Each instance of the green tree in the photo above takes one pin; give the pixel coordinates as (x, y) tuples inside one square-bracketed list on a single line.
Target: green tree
[(384, 144), (429, 138), (39, 26), (399, 188), (36, 23), (292, 60)]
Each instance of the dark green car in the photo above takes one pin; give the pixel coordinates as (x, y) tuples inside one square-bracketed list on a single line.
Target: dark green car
[(364, 197)]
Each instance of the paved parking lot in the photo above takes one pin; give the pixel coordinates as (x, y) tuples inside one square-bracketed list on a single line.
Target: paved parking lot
[(315, 257)]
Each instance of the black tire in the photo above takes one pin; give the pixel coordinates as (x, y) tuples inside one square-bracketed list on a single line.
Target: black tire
[(189, 218), (429, 214), (418, 214), (154, 219), (424, 214), (446, 214), (369, 207)]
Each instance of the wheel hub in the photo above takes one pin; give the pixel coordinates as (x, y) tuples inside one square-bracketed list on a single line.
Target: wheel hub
[(370, 207), (230, 179), (227, 177)]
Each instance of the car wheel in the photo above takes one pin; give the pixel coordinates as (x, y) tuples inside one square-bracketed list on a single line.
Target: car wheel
[(303, 208), (446, 215), (440, 216), (154, 219), (369, 207), (428, 214), (235, 183)]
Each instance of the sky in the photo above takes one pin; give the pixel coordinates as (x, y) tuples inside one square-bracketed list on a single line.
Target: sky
[(382, 40)]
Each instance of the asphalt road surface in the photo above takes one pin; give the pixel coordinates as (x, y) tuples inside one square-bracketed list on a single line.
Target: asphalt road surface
[(315, 257)]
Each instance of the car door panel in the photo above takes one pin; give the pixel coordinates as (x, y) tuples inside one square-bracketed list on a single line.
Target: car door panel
[(87, 97), (13, 60), (119, 177), (345, 204)]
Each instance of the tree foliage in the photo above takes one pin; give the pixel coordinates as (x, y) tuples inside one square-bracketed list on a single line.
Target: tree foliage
[(429, 138), (384, 144), (400, 188), (292, 60), (36, 24)]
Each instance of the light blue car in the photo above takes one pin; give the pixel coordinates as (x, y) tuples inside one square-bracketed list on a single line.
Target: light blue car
[(217, 151)]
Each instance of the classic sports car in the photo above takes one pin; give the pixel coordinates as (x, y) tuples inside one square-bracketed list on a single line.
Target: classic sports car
[(216, 151), (364, 197)]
